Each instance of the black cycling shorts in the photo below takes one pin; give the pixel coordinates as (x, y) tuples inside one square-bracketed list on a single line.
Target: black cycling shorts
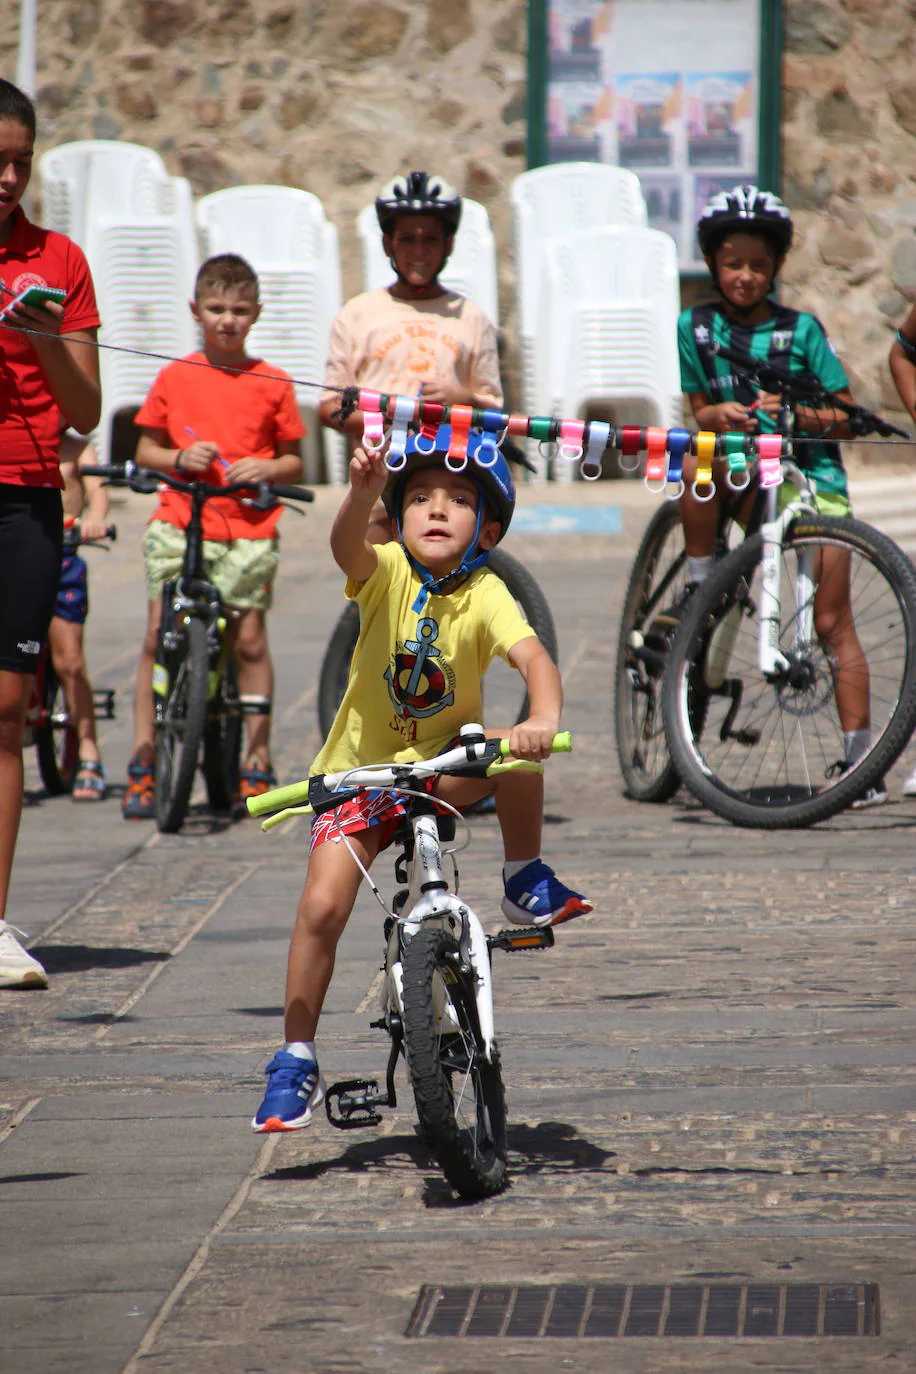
[(31, 547)]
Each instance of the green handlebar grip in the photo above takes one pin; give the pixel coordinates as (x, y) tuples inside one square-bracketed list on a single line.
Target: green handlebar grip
[(280, 797), (562, 744)]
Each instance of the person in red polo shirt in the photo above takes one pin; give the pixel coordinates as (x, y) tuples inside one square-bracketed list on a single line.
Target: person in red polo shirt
[(49, 379)]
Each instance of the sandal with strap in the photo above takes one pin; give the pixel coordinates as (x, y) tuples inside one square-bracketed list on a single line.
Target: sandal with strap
[(139, 800), (253, 781), (89, 783)]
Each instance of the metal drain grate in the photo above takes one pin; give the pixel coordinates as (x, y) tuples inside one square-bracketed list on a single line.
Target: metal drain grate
[(689, 1309)]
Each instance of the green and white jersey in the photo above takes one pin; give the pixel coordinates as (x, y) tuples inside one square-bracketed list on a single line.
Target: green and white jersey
[(793, 341)]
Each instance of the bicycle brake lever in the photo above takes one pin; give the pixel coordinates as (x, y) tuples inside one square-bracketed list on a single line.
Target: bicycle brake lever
[(265, 499)]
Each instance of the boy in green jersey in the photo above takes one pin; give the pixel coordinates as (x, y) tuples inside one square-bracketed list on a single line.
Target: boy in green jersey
[(744, 235)]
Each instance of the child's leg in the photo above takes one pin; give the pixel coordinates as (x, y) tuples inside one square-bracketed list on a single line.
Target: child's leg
[(534, 895), (144, 712), (66, 642), (327, 899), (835, 627), (294, 1086), (256, 681)]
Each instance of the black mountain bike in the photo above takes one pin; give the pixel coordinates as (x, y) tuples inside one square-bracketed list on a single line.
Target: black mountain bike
[(195, 687)]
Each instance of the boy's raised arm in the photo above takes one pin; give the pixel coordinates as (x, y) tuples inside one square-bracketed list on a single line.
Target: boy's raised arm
[(352, 551)]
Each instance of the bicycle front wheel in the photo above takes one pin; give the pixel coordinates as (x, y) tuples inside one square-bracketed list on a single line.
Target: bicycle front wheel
[(223, 742), (458, 1093), (768, 750), (647, 628), (56, 739), (505, 696), (181, 729)]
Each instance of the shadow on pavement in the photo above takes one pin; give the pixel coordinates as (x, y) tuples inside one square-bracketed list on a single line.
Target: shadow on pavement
[(553, 1146), (550, 1147), (81, 958), (359, 1158)]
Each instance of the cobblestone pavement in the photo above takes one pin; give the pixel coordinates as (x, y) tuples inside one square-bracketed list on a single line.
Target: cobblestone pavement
[(709, 1080)]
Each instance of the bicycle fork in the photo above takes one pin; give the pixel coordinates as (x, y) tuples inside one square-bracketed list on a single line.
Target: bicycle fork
[(770, 659), (356, 1102)]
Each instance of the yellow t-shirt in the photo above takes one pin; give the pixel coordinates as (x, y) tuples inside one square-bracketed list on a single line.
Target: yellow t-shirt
[(415, 676)]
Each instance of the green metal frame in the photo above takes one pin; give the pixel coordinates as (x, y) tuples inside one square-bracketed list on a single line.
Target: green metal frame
[(769, 167)]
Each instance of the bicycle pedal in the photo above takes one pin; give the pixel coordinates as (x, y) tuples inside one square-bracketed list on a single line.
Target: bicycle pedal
[(103, 700), (353, 1103), (522, 938)]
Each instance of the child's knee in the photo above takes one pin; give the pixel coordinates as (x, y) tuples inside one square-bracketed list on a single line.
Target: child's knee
[(322, 914)]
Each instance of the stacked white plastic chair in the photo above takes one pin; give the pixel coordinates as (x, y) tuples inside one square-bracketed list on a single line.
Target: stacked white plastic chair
[(136, 225), (471, 269), (284, 234), (549, 203), (609, 315)]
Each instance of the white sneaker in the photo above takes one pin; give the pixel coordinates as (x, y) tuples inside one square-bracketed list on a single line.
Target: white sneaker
[(909, 786), (876, 795), (17, 967)]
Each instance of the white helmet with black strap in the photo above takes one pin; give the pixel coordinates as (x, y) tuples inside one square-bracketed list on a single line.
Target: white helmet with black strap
[(747, 209)]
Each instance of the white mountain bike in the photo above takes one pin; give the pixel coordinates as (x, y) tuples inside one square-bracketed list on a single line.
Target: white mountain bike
[(437, 1001)]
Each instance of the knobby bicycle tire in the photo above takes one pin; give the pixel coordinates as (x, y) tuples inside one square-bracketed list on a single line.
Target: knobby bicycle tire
[(767, 753), (223, 741), (335, 667), (647, 628), (180, 732), (458, 1094), (56, 741)]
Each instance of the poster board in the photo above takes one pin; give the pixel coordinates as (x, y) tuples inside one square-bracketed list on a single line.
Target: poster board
[(685, 93)]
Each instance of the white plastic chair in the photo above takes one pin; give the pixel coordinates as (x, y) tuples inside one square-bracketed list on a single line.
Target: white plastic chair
[(91, 177), (609, 310), (471, 269), (143, 270), (284, 234), (549, 203)]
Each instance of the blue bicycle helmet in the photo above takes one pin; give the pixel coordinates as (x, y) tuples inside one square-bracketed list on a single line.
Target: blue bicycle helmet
[(486, 468)]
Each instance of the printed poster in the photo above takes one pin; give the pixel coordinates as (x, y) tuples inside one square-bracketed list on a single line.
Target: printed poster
[(667, 88)]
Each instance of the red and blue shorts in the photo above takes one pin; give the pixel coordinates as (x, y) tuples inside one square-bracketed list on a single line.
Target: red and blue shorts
[(377, 806)]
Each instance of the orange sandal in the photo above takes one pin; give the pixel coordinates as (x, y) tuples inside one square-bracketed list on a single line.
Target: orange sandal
[(139, 800), (253, 782)]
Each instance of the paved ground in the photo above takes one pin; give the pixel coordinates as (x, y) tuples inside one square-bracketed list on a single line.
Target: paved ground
[(710, 1079)]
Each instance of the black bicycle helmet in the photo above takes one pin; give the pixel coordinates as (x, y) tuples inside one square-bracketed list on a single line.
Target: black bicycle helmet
[(419, 193), (747, 208)]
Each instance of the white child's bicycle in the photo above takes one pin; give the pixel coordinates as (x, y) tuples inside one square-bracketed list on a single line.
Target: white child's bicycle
[(438, 990)]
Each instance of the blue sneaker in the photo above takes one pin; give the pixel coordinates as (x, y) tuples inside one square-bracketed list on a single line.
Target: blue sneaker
[(294, 1087), (536, 897)]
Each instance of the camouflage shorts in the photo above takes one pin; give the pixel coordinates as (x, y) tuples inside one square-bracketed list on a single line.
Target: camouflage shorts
[(243, 570)]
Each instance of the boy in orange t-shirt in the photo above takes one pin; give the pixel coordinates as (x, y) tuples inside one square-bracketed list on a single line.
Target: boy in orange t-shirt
[(234, 421)]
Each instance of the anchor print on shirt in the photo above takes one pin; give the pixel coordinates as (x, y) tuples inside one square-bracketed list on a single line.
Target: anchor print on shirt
[(420, 682)]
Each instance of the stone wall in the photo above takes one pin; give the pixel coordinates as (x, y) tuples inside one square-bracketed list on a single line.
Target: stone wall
[(337, 97)]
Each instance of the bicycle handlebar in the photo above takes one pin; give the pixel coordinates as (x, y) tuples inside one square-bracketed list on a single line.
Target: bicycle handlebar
[(147, 480), (763, 374), (73, 536), (476, 758)]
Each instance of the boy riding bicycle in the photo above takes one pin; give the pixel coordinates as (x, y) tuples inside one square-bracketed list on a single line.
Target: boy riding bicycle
[(225, 417), (744, 235), (432, 618)]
